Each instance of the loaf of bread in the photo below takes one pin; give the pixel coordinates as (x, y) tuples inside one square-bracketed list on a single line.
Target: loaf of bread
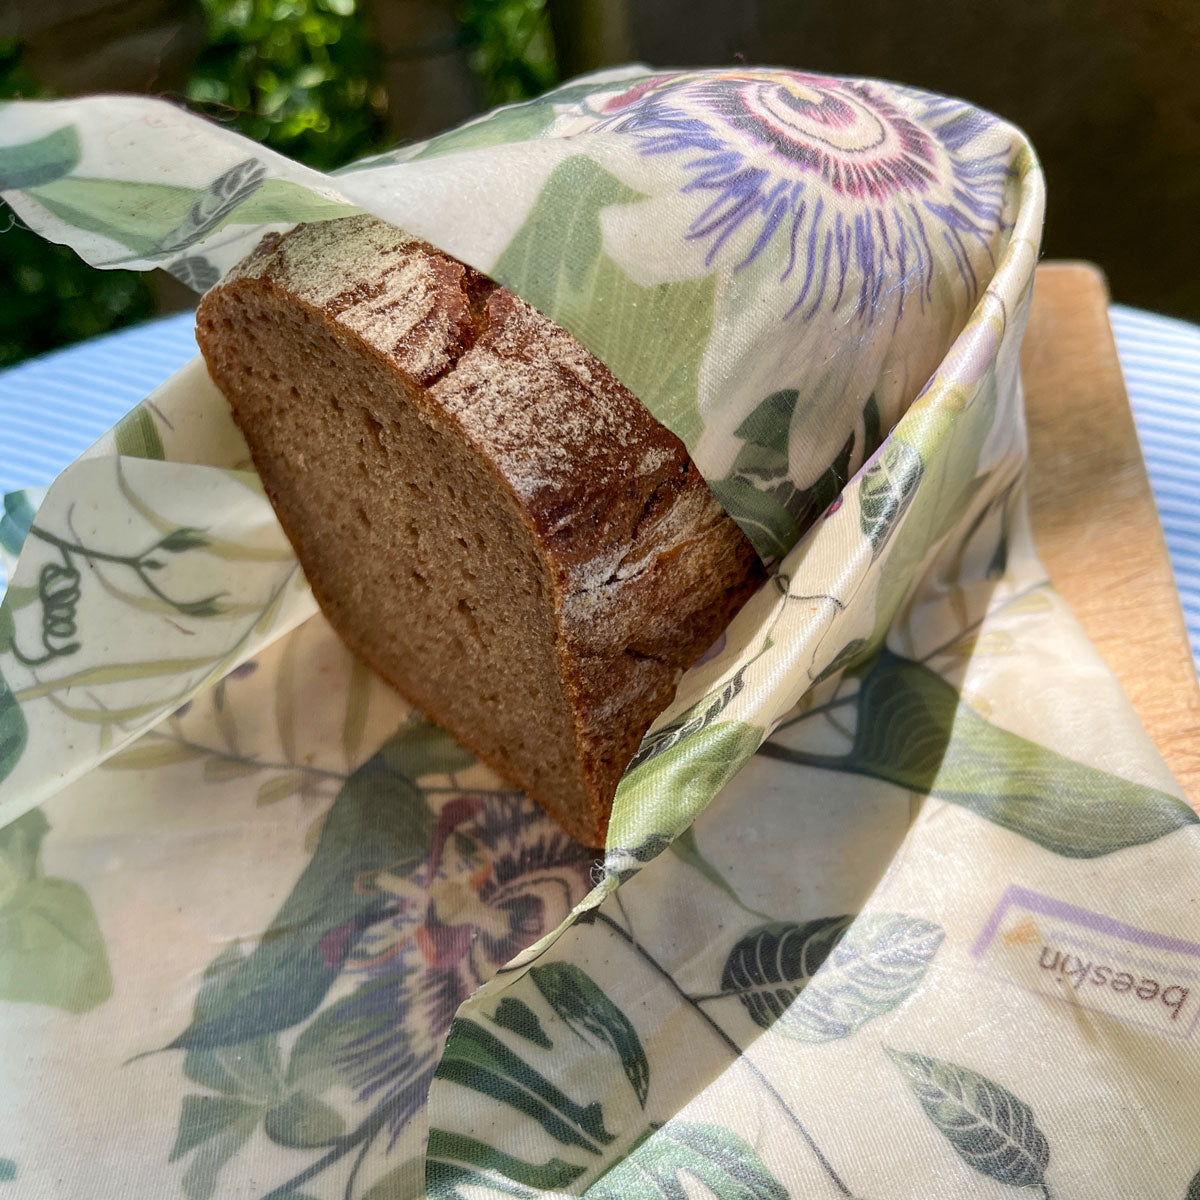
[(485, 514)]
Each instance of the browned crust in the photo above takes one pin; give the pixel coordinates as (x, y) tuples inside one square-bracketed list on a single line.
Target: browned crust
[(646, 567)]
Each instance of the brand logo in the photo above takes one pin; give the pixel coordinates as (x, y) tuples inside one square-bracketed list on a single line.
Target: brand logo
[(1088, 959)]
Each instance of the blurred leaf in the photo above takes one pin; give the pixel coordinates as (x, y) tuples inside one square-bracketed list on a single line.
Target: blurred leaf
[(143, 756), (401, 1183), (279, 788), (725, 1164), (14, 732), (912, 731), (186, 537), (512, 49), (302, 1122), (218, 769), (33, 163), (50, 297), (216, 1127), (305, 81), (379, 820), (51, 948), (421, 748)]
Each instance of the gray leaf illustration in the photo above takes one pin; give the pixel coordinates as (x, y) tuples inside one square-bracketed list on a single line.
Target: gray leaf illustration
[(1193, 1192), (768, 967), (222, 196), (875, 967), (726, 1166), (195, 271), (991, 1129), (888, 487), (700, 716)]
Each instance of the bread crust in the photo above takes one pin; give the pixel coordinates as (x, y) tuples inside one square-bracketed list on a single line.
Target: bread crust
[(645, 567)]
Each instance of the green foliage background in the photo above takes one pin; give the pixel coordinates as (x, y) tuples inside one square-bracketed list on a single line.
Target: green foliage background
[(301, 76), (48, 296)]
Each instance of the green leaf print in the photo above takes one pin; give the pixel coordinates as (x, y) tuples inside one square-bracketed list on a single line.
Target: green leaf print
[(378, 827), (769, 425), (876, 967), (213, 204), (160, 220), (400, 1183), (663, 794), (216, 1127), (769, 966), (136, 435), (913, 731), (557, 263), (576, 998), (51, 948), (685, 848), (991, 1129), (250, 1070), (420, 747), (249, 1077), (759, 505), (456, 1161), (923, 488), (760, 476), (759, 487), (280, 200), (205, 1117), (514, 123), (15, 524), (517, 1017), (887, 490), (330, 1034), (34, 163), (726, 1164), (303, 1122), (135, 215), (700, 716), (14, 732), (8, 1170), (522, 122), (475, 1059)]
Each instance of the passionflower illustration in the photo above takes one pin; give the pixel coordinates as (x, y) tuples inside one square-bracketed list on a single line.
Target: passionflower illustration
[(858, 189), (499, 875)]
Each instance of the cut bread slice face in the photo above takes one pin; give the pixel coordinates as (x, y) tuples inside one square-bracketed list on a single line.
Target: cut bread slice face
[(485, 514)]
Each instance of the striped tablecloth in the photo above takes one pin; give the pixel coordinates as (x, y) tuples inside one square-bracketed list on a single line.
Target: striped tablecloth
[(54, 407), (1161, 361)]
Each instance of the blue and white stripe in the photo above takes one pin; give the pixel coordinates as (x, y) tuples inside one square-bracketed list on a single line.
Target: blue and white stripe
[(1161, 361), (52, 408)]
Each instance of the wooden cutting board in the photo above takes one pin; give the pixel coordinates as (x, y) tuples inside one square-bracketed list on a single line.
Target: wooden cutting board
[(1094, 519)]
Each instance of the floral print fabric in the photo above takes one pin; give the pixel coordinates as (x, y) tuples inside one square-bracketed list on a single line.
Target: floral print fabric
[(896, 894)]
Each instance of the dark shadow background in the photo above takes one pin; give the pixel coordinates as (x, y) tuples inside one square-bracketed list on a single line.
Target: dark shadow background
[(1108, 90)]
